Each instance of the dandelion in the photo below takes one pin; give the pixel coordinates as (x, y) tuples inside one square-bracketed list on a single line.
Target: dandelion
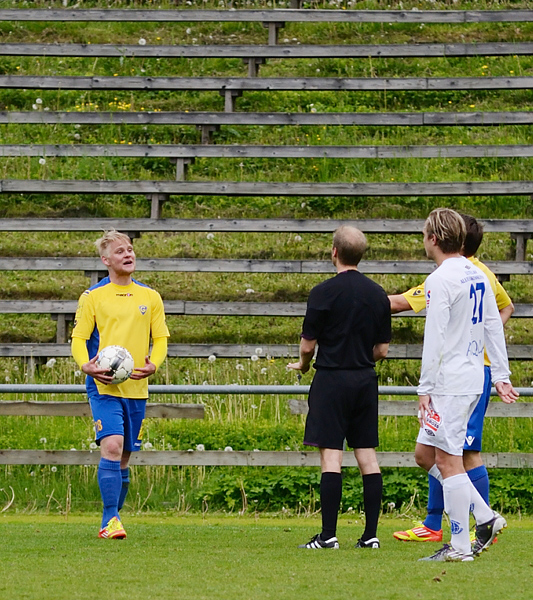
[(389, 379), (250, 291), (38, 101), (391, 506), (76, 136), (43, 440), (52, 361), (210, 236), (239, 367), (212, 358), (259, 350), (53, 469), (313, 110), (318, 70), (302, 205), (254, 358), (35, 107), (188, 31), (73, 449), (228, 449), (32, 473), (42, 161), (93, 446), (297, 238), (77, 373), (46, 109), (264, 371), (254, 406), (142, 42), (200, 447), (148, 446)]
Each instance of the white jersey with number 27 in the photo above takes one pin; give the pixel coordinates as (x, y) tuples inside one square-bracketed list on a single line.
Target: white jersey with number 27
[(462, 317)]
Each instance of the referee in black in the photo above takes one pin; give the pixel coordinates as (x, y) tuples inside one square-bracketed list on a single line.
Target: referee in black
[(348, 316)]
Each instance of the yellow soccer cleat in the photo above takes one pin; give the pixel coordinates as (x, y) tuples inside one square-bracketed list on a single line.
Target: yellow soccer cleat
[(419, 533), (113, 530)]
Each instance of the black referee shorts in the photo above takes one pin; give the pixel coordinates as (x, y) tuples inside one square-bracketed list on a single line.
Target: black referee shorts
[(343, 404)]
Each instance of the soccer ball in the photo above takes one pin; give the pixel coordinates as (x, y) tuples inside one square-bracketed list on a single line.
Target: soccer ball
[(118, 362)]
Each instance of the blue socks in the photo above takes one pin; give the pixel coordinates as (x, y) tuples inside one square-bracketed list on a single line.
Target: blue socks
[(110, 482), (478, 476), (125, 474)]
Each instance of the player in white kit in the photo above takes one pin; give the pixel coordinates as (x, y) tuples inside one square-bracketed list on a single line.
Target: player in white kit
[(462, 318)]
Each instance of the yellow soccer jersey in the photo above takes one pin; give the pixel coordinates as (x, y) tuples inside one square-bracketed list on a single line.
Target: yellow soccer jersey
[(417, 299), (110, 314)]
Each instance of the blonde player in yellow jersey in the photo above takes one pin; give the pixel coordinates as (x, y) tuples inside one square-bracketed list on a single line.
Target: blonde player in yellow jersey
[(118, 311), (414, 299)]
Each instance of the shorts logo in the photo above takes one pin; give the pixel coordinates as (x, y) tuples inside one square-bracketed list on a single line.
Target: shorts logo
[(470, 439), (143, 309), (432, 422), (456, 527), (98, 426)]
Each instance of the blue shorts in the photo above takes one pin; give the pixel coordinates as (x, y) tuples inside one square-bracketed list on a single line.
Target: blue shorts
[(474, 431), (118, 416)]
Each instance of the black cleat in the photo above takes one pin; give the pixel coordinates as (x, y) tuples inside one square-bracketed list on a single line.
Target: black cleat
[(371, 543), (317, 543), (486, 533)]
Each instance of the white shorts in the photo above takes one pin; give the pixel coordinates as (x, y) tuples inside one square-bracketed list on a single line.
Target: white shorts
[(445, 424)]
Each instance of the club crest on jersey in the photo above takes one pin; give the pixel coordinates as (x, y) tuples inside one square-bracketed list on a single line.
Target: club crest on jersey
[(417, 292), (432, 422), (143, 309), (456, 527)]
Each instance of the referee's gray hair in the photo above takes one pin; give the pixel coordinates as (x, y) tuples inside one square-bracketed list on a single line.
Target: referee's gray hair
[(350, 243), (449, 229), (108, 238)]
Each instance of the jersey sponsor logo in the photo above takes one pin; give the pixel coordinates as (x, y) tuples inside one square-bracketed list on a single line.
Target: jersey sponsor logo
[(98, 425), (143, 308), (124, 295), (456, 527), (470, 439), (432, 422), (428, 297), (475, 348)]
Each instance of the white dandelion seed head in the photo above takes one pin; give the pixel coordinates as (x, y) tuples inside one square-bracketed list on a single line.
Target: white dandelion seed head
[(142, 42), (264, 371), (46, 108), (77, 136), (210, 236), (313, 110), (228, 449), (391, 505), (35, 107), (239, 367), (259, 351), (303, 205), (148, 445), (212, 358), (254, 406), (77, 373), (188, 31), (250, 291), (254, 358), (297, 238), (93, 445), (52, 361), (43, 440), (42, 161), (38, 101), (53, 469), (200, 447), (32, 473)]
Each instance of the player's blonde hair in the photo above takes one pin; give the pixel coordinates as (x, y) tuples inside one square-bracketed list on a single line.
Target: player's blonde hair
[(449, 229), (108, 238), (350, 243)]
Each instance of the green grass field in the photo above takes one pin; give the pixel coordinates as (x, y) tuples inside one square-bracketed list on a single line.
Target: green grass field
[(221, 558)]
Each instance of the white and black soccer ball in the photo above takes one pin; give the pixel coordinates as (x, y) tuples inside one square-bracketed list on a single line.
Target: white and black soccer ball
[(117, 361)]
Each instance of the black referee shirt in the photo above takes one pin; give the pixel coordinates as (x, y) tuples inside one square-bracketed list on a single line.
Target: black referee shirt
[(347, 315)]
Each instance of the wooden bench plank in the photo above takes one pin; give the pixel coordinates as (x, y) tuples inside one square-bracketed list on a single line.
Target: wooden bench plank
[(272, 188), (196, 308), (220, 265), (264, 84), (273, 119), (385, 226), (409, 408), (242, 351), (514, 460), (364, 51), (154, 410), (276, 15), (239, 151)]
